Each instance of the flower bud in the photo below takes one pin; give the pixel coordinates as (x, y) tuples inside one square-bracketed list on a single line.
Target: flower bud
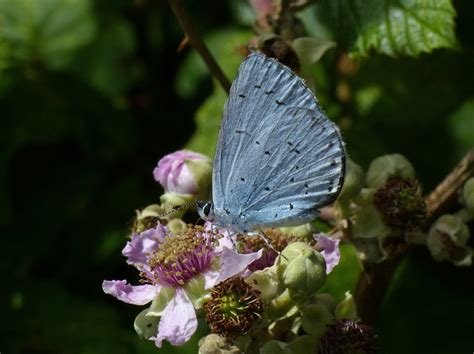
[(353, 182), (176, 226), (171, 200), (384, 167), (447, 240), (147, 218), (468, 194), (302, 270), (315, 319), (184, 172), (215, 344), (368, 224), (304, 231)]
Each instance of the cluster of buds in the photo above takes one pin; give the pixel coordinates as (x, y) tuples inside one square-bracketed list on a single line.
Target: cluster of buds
[(382, 208), (384, 212), (448, 236)]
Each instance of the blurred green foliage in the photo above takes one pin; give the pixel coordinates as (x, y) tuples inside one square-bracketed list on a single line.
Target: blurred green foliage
[(93, 93)]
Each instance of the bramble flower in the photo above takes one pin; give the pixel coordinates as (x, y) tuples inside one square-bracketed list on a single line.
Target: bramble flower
[(447, 240), (184, 172), (234, 308), (175, 271), (329, 249)]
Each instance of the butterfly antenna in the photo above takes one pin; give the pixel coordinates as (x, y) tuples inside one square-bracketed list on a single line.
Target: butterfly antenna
[(177, 208)]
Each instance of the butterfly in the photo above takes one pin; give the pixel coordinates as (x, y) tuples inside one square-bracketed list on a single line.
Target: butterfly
[(278, 157)]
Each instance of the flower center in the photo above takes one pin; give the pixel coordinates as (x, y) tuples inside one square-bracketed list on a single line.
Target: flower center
[(180, 257), (234, 308)]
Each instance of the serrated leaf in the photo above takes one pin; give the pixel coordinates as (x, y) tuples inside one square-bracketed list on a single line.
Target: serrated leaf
[(47, 31), (392, 27)]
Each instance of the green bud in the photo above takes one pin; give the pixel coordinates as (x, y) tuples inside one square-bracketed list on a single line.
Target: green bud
[(274, 347), (468, 194), (176, 226), (171, 200), (300, 344), (201, 169), (346, 309), (151, 210), (216, 344), (368, 223), (327, 300), (304, 231), (146, 325), (447, 240), (354, 181), (384, 167), (303, 271), (147, 218), (315, 319)]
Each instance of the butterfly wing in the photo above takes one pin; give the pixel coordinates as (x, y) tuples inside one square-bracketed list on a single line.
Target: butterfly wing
[(279, 157), (303, 171), (262, 90)]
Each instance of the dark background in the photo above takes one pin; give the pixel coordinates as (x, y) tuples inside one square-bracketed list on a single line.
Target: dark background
[(82, 127)]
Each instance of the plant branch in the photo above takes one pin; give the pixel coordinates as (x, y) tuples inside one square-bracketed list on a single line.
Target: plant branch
[(194, 38), (445, 194), (376, 278)]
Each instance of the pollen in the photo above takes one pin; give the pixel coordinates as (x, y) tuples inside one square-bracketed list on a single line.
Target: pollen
[(181, 257)]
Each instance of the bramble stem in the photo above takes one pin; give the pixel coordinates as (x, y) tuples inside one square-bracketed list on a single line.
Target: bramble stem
[(191, 32), (376, 278), (445, 194)]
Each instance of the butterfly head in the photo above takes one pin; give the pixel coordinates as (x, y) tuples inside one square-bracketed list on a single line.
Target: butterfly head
[(205, 210)]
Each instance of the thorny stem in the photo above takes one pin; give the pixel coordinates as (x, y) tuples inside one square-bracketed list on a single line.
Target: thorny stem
[(375, 279), (194, 38)]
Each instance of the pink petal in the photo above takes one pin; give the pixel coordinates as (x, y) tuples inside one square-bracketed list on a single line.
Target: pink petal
[(178, 322), (233, 263), (330, 250), (210, 278), (136, 295), (141, 245)]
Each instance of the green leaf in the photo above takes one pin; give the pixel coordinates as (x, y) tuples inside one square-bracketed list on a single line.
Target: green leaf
[(310, 50), (392, 27), (47, 31), (208, 120)]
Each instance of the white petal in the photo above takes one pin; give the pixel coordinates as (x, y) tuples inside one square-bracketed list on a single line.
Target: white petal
[(136, 295), (178, 322)]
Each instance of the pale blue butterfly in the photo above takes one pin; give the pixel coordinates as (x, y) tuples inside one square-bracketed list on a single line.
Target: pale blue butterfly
[(278, 157)]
